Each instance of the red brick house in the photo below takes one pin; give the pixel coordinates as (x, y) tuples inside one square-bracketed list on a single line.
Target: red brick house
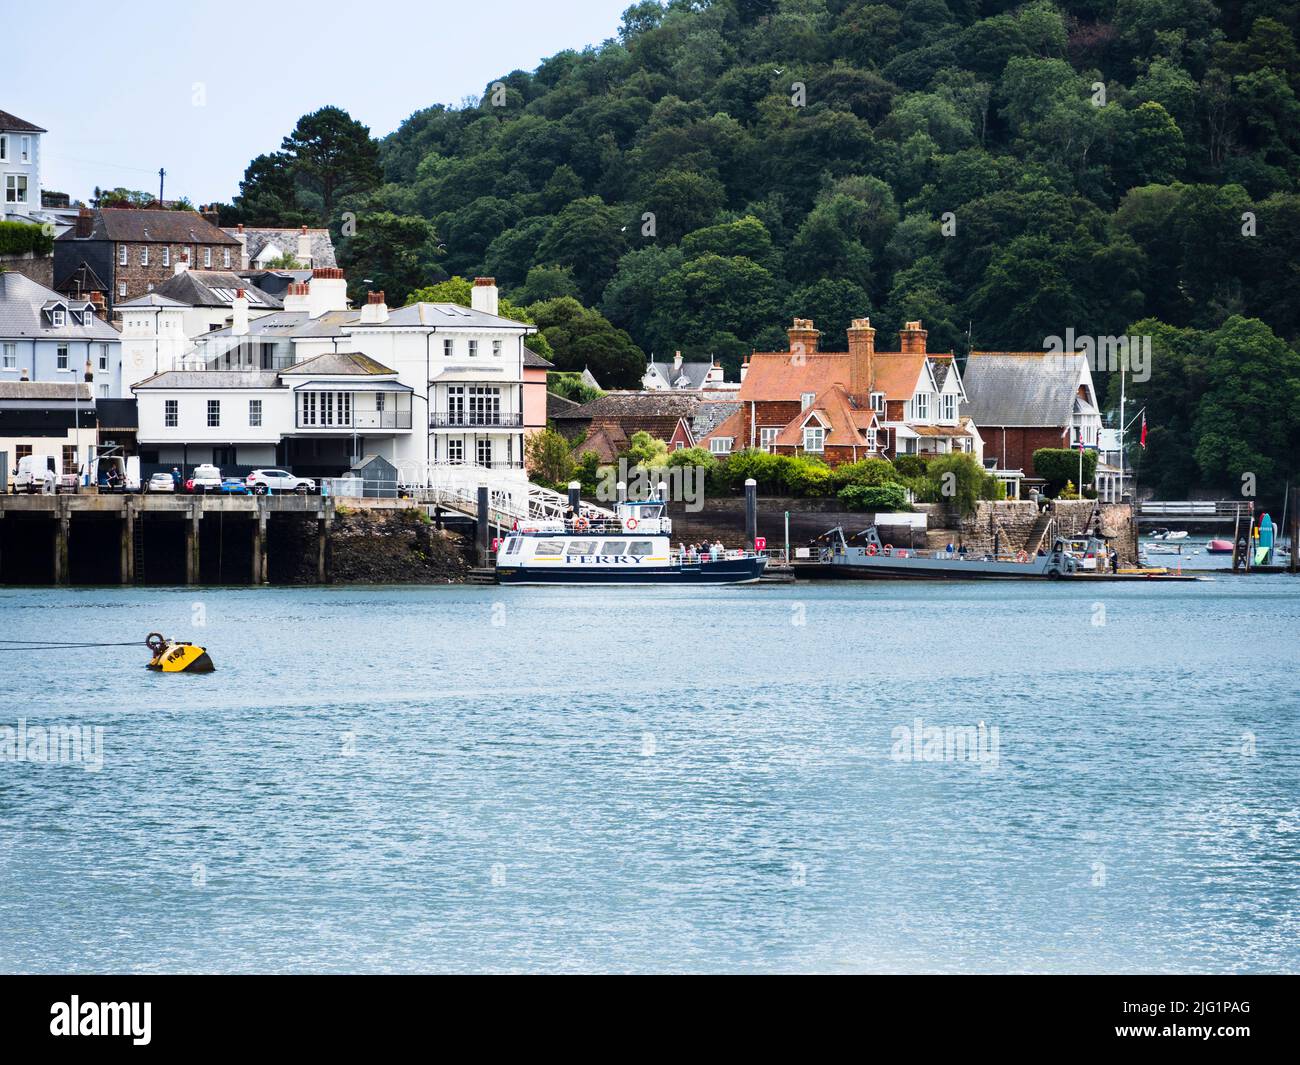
[(1025, 400), (842, 406)]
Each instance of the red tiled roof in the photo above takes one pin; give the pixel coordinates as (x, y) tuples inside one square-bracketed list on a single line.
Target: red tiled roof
[(845, 424), (778, 375)]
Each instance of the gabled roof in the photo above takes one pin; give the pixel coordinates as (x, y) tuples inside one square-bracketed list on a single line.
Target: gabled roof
[(642, 403), (1033, 388), (150, 299), (340, 362), (728, 428), (257, 240), (846, 424), (534, 361), (447, 316), (687, 375), (81, 276), (781, 376), (897, 374), (151, 227), (559, 406), (708, 416), (13, 124), (22, 302), (213, 288)]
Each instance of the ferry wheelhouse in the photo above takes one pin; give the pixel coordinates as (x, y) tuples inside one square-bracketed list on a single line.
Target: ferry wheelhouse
[(632, 547)]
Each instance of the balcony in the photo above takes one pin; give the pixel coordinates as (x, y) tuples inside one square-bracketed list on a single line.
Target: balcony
[(476, 420)]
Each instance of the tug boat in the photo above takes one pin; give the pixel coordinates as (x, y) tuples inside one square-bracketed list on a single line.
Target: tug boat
[(840, 558), (633, 547)]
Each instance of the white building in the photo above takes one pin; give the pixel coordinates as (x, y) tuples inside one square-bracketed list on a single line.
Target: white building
[(20, 169), (680, 374), (437, 389), (45, 336)]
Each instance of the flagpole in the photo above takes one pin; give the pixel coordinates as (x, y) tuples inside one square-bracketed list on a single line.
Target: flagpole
[(1121, 429)]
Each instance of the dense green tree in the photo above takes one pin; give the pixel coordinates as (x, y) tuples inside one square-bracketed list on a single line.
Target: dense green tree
[(581, 338)]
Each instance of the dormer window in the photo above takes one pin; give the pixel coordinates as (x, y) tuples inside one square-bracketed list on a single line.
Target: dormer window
[(57, 318), (878, 402), (806, 400), (921, 406), (814, 437)]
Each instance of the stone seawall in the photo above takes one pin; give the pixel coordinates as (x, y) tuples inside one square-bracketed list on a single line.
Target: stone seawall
[(375, 546)]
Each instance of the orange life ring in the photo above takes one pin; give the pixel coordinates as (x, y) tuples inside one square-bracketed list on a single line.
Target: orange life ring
[(888, 549), (1022, 556), (872, 549), (581, 524), (630, 524)]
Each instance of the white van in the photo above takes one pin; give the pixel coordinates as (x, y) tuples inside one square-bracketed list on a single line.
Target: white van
[(115, 473), (29, 475)]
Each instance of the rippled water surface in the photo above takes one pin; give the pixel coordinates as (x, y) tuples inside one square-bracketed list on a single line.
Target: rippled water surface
[(559, 779)]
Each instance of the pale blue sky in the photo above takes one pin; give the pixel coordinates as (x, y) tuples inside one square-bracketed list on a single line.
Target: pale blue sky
[(114, 87)]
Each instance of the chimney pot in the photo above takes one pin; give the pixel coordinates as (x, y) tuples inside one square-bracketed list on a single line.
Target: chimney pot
[(911, 339), (803, 337)]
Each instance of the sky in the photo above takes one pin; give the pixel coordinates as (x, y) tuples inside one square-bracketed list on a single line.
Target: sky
[(122, 100)]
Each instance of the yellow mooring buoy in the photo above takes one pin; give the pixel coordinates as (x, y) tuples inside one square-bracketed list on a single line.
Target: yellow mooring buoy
[(177, 656)]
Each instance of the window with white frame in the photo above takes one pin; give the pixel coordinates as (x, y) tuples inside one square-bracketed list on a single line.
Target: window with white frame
[(448, 347), (144, 255), (61, 357), (167, 256), (921, 406), (878, 402), (806, 400), (767, 436), (456, 451), (473, 348), (871, 439), (57, 318), (121, 289), (214, 413), (496, 347), (207, 257), (123, 253), (948, 407), (26, 156), (103, 391), (171, 413), (225, 255), (254, 413), (103, 356), (15, 188), (9, 357), (814, 437), (483, 452), (720, 445), (484, 405)]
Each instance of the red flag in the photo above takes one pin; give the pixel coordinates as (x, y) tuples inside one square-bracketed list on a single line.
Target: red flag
[(1143, 439)]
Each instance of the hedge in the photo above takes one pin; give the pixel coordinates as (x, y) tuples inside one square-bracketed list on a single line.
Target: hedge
[(874, 497), (1059, 465), (19, 238)]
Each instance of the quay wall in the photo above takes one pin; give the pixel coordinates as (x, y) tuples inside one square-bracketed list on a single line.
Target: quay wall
[(1014, 524)]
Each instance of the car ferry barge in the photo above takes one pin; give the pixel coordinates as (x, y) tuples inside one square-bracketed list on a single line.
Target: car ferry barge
[(875, 559), (632, 547)]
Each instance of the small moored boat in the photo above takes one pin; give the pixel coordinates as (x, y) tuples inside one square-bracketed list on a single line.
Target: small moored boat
[(876, 559)]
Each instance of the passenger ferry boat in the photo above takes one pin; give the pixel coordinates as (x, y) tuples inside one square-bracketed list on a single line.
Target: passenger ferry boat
[(633, 547)]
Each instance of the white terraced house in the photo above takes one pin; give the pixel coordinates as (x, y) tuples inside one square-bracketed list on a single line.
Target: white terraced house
[(437, 389)]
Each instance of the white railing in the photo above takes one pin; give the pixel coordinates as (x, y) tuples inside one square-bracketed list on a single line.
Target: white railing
[(453, 487)]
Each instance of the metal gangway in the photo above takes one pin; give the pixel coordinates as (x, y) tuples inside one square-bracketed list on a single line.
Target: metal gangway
[(506, 504)]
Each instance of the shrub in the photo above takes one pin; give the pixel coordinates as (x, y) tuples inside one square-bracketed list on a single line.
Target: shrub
[(19, 238), (874, 497), (959, 481), (1060, 465), (866, 472), (910, 465)]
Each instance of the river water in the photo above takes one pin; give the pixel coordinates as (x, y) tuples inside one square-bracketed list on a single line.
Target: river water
[(487, 779)]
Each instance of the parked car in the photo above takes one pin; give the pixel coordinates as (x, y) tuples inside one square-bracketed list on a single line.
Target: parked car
[(260, 481), (234, 486), (205, 478), (161, 482)]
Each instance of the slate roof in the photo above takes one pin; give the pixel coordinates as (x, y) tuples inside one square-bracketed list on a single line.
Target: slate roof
[(708, 416), (61, 390), (532, 359), (292, 324), (81, 276), (322, 245), (150, 299), (151, 227), (558, 406), (21, 301), (209, 379), (452, 315), (212, 288), (688, 375), (1032, 388), (13, 124), (340, 362)]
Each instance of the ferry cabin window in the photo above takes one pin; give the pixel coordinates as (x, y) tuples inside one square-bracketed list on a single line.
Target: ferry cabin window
[(613, 547), (549, 547), (640, 548), (581, 547)]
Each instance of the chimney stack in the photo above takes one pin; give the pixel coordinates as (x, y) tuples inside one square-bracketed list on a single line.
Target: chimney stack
[(304, 249), (182, 263), (242, 237), (484, 296), (862, 353), (85, 222), (803, 337), (295, 296), (327, 291), (744, 369), (239, 324), (677, 362), (89, 372), (375, 311), (24, 375), (911, 339), (210, 215)]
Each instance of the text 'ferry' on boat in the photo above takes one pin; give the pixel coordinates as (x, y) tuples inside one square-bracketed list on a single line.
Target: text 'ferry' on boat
[(633, 547)]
